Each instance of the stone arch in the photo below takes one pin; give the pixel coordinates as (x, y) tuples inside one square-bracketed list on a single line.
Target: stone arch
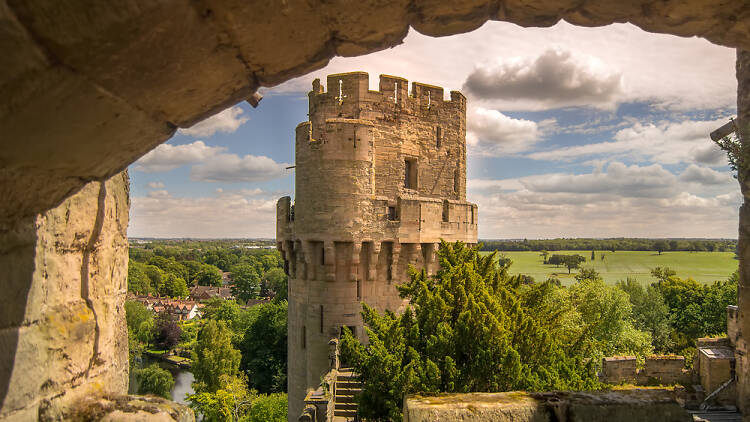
[(88, 88)]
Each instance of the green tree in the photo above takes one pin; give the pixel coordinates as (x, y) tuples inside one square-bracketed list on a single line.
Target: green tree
[(229, 403), (661, 246), (544, 255), (264, 348), (214, 356), (174, 286), (673, 245), (593, 256), (573, 261), (170, 266), (246, 282), (156, 277), (278, 283), (650, 312), (138, 281), (155, 380), (140, 321), (209, 275), (425, 349), (269, 408)]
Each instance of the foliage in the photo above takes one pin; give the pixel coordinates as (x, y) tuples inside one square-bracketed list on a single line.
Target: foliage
[(620, 244), (426, 349), (209, 275), (269, 408), (174, 287), (155, 380), (264, 348), (650, 313), (276, 280), (140, 321), (569, 261), (138, 281), (214, 356), (166, 331), (231, 402), (246, 282)]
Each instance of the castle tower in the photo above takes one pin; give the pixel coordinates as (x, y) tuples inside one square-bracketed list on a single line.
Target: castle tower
[(380, 179)]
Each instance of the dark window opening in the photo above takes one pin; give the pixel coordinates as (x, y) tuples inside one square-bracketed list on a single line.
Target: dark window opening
[(304, 336), (351, 328), (410, 173), (392, 216), (321, 319), (472, 215), (438, 136), (359, 290), (446, 210), (323, 255), (455, 181), (291, 213)]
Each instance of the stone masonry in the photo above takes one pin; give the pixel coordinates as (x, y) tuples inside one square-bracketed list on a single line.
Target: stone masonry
[(380, 180)]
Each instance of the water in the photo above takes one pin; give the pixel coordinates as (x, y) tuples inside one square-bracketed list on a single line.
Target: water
[(183, 379)]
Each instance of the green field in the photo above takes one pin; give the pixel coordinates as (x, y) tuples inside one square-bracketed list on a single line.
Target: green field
[(702, 266)]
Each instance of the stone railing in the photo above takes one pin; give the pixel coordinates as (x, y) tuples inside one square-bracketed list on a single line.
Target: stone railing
[(659, 369), (319, 403)]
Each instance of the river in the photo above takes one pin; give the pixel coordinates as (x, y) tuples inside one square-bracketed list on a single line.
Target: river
[(183, 379)]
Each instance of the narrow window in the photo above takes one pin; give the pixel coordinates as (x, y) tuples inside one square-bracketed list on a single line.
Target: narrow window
[(323, 255), (359, 290), (392, 214), (455, 181), (472, 215), (291, 213), (410, 173), (438, 136), (446, 209), (321, 319), (304, 336)]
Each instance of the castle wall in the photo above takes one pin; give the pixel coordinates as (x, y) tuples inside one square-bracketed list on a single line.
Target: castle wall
[(65, 274), (380, 180)]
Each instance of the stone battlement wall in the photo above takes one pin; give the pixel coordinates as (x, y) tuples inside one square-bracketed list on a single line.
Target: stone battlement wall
[(661, 369)]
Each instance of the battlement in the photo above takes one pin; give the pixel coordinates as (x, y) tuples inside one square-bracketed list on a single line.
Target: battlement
[(353, 87)]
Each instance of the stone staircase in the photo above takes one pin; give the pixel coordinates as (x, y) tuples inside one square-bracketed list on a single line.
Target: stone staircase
[(345, 408)]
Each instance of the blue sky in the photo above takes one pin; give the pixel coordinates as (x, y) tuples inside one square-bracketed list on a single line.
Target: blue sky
[(571, 132)]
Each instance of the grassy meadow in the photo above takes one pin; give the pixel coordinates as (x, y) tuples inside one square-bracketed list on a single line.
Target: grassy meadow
[(704, 267)]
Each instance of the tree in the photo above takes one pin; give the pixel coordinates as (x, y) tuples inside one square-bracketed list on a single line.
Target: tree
[(166, 331), (155, 380), (231, 402), (264, 348), (661, 246), (425, 348), (138, 281), (140, 321), (544, 255), (278, 283), (246, 282), (174, 286), (156, 278), (650, 312), (269, 408), (573, 261), (673, 245), (209, 275), (593, 256), (214, 356)]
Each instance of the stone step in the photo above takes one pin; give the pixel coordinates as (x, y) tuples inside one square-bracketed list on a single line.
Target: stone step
[(346, 406), (344, 399), (348, 391), (346, 378), (349, 414), (348, 384)]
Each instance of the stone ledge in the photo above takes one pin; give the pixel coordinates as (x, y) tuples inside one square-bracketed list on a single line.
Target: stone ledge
[(112, 408), (610, 406)]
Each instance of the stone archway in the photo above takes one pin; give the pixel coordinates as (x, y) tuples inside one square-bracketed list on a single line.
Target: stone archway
[(88, 88)]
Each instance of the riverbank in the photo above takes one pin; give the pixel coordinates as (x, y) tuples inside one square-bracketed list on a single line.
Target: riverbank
[(179, 361)]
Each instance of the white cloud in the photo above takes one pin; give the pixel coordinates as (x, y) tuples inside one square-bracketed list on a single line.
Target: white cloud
[(167, 157), (705, 176), (227, 121), (156, 185), (555, 78), (663, 142), (233, 168), (490, 132), (676, 72), (226, 215)]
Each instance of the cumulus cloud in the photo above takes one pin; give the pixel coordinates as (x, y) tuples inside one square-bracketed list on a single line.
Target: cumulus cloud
[(663, 142), (491, 132), (618, 200), (229, 214), (705, 176), (228, 121), (156, 185), (233, 168), (555, 78), (167, 157)]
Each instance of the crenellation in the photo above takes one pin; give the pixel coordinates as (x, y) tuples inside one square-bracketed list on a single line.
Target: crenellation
[(380, 179)]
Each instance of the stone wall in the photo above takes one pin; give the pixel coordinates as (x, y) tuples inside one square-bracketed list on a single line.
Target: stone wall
[(64, 279), (658, 369), (643, 405)]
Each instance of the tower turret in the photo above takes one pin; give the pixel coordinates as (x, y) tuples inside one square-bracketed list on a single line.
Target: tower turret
[(380, 178)]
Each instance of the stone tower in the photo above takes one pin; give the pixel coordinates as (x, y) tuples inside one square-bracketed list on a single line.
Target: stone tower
[(380, 179)]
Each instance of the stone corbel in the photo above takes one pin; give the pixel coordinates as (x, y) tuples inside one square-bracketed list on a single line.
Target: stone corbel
[(354, 267), (372, 270), (329, 263)]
